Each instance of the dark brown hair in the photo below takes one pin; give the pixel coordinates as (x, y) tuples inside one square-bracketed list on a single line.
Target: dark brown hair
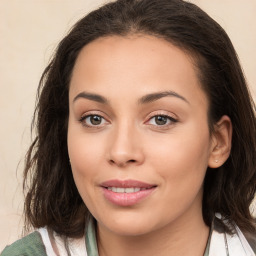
[(52, 198)]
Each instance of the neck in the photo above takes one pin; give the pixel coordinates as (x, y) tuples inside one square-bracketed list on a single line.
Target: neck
[(179, 238)]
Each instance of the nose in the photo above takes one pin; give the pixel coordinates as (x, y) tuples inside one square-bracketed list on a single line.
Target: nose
[(125, 147)]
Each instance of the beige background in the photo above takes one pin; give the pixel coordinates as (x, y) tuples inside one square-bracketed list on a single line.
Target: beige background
[(29, 32)]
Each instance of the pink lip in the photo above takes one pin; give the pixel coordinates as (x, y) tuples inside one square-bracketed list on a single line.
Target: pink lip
[(126, 199), (126, 184)]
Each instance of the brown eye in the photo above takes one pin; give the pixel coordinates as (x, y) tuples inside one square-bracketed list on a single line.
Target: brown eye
[(95, 120), (161, 120)]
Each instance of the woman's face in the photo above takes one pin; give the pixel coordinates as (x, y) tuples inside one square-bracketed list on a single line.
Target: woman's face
[(138, 136)]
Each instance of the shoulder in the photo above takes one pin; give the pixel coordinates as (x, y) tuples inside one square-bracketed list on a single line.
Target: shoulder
[(224, 242), (29, 245), (45, 242)]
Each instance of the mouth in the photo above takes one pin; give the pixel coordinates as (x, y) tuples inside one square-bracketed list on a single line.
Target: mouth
[(127, 192), (126, 186)]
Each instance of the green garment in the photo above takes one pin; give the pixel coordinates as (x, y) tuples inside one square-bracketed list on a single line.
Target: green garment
[(219, 243), (30, 245)]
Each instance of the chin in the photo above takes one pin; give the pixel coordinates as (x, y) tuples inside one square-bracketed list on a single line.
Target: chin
[(130, 230), (125, 226), (132, 226)]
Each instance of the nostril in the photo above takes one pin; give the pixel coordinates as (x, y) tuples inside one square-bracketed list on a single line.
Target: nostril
[(122, 163)]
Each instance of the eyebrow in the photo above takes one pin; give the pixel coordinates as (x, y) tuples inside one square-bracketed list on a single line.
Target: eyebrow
[(143, 100), (91, 96), (158, 95)]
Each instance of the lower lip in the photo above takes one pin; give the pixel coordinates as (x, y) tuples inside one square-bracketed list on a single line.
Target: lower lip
[(127, 199)]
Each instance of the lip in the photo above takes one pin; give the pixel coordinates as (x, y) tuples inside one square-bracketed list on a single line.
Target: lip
[(126, 184), (127, 199)]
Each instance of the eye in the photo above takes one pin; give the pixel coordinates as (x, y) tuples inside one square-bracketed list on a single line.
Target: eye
[(92, 120), (161, 120)]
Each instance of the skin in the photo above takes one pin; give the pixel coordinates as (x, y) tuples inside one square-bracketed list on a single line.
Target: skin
[(128, 143)]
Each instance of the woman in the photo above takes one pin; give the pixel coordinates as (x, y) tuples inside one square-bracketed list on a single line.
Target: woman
[(145, 139)]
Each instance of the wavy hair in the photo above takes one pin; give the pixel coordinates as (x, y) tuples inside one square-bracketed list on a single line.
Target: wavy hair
[(52, 198)]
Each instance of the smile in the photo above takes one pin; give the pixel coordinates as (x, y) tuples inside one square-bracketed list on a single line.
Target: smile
[(125, 190)]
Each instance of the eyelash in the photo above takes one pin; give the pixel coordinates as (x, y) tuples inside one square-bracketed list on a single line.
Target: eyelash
[(168, 118), (171, 120), (83, 118)]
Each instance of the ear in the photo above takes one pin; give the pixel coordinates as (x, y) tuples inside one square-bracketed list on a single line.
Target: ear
[(221, 142)]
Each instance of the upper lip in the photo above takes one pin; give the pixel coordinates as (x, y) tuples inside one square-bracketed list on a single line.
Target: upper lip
[(126, 184)]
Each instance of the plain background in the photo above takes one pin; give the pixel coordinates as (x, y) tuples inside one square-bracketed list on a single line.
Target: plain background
[(29, 33)]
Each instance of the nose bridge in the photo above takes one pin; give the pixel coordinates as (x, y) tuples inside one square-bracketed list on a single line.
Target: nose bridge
[(125, 146)]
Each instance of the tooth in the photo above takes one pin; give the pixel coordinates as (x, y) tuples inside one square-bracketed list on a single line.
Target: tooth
[(120, 190), (129, 190), (125, 190)]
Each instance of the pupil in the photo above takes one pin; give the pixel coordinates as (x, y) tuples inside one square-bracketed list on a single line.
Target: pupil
[(161, 120), (95, 120)]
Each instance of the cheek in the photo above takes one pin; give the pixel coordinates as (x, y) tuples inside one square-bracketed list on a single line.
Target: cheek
[(181, 162), (85, 156), (182, 156)]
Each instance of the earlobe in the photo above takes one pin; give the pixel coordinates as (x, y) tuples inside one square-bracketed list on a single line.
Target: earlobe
[(221, 142)]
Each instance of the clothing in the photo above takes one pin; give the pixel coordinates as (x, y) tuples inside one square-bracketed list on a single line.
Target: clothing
[(42, 242)]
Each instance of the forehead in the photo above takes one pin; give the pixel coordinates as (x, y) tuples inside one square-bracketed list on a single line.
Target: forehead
[(140, 63), (136, 52)]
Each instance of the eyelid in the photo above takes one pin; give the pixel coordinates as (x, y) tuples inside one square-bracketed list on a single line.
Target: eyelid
[(172, 117), (93, 113), (162, 113)]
